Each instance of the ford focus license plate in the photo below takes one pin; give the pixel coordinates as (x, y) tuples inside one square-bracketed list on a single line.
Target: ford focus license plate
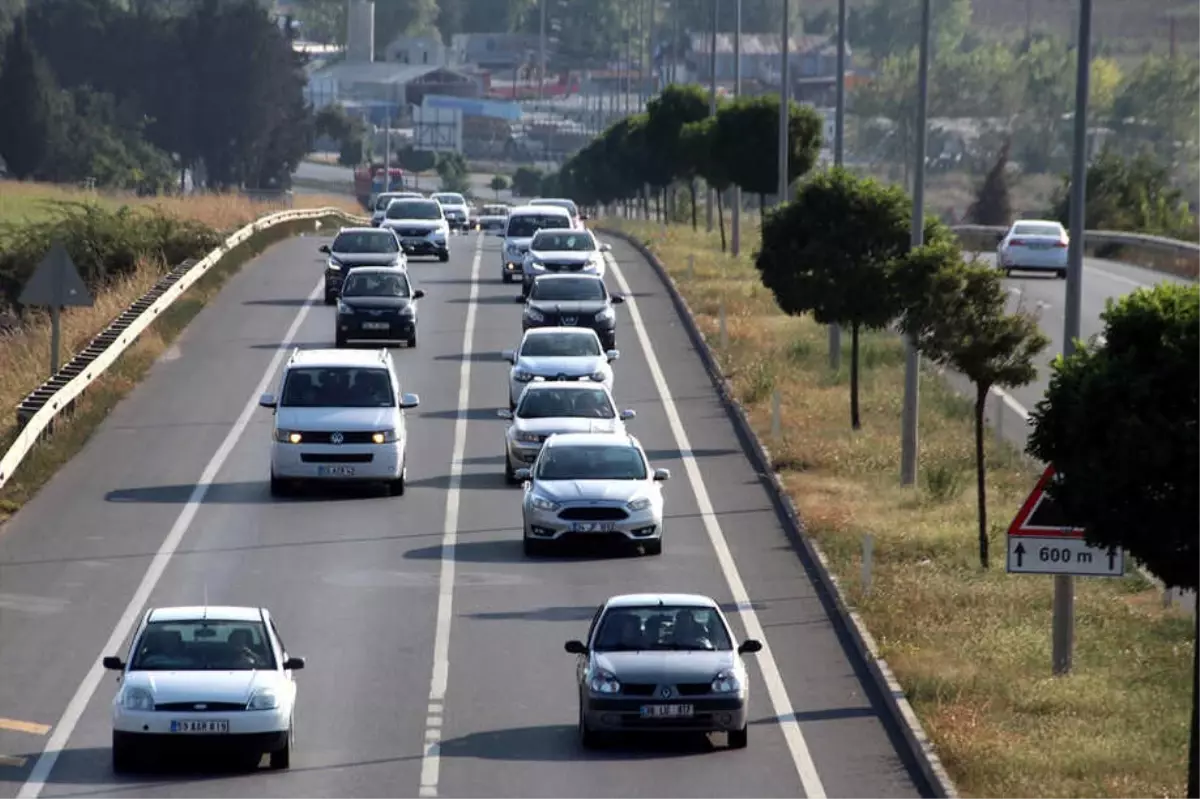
[(593, 527), (202, 727), (667, 711)]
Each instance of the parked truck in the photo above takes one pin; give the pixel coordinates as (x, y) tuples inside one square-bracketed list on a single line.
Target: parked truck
[(369, 182)]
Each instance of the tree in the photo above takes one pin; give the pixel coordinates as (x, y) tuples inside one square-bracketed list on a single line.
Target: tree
[(27, 111), (1156, 106), (526, 181), (498, 184), (747, 137), (452, 172), (956, 314), (403, 17), (415, 161), (894, 26), (1119, 423), (834, 252), (993, 205), (699, 140), (667, 114)]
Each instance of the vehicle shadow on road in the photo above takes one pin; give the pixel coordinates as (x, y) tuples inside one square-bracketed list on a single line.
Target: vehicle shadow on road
[(93, 766), (560, 742), (473, 414), (298, 302), (495, 299), (511, 551), (474, 357), (255, 492), (470, 481)]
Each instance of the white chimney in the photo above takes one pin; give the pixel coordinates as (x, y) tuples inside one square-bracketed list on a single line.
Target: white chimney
[(360, 31)]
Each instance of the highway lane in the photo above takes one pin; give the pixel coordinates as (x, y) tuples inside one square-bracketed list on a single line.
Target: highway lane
[(333, 174), (354, 579)]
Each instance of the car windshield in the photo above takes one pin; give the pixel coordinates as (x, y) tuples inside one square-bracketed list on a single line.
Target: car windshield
[(495, 210), (561, 345), (415, 209), (203, 645), (551, 241), (567, 204), (450, 199), (557, 403), (375, 284), (1036, 230), (663, 627), (567, 290), (381, 204), (525, 225), (337, 387), (591, 462), (360, 243)]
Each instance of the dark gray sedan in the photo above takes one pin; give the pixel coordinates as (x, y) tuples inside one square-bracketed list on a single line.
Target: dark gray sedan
[(661, 662)]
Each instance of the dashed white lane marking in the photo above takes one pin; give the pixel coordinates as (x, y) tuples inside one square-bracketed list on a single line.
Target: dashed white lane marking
[(83, 694), (431, 762), (776, 690)]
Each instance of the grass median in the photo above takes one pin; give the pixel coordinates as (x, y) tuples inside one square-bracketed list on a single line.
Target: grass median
[(971, 648), (25, 351)]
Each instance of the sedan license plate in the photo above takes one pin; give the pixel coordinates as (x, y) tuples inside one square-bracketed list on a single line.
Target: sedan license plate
[(668, 711), (1038, 246), (202, 727), (413, 242), (335, 471), (593, 527), (375, 325)]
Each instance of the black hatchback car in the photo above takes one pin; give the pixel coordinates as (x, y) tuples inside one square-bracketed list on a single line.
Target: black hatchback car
[(377, 304), (362, 246), (572, 301)]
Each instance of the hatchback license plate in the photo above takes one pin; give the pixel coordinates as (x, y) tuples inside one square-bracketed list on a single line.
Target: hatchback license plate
[(201, 727), (335, 471), (668, 711), (413, 242), (593, 527), (375, 325)]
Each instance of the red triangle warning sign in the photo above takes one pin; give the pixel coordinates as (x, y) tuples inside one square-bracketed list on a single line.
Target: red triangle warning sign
[(1041, 516)]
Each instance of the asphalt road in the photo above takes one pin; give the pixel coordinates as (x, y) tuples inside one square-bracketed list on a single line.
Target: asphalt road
[(333, 175), (397, 600)]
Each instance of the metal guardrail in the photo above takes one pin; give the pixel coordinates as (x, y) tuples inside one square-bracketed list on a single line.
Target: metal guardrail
[(37, 412)]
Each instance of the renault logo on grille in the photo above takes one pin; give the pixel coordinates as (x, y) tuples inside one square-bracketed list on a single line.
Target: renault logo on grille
[(665, 693), (336, 438)]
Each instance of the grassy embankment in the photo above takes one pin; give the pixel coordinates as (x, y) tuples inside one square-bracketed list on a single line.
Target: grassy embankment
[(25, 351), (971, 648)]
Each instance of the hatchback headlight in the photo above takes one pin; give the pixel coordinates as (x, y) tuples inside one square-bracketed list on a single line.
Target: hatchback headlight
[(137, 699), (536, 265), (263, 699), (604, 682), (333, 265), (641, 503), (288, 436), (597, 377), (529, 438), (384, 436), (727, 682), (344, 309), (605, 316), (541, 503), (534, 315), (521, 376)]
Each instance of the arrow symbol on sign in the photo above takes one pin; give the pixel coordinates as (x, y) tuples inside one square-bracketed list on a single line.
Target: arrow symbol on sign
[(1020, 553), (1112, 559)]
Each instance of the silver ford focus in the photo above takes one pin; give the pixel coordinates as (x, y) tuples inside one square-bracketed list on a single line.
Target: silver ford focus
[(662, 662), (592, 485)]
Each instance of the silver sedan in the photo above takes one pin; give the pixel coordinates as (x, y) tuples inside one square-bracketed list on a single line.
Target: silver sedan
[(592, 485)]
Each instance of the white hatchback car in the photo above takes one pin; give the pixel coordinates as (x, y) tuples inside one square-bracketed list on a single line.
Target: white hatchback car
[(1034, 245), (339, 416), (213, 676), (558, 354)]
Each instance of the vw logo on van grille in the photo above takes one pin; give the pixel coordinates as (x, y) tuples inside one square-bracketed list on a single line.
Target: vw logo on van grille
[(336, 438)]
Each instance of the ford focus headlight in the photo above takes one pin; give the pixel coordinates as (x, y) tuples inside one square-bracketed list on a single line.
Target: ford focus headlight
[(604, 682), (541, 503), (606, 315), (641, 503), (727, 682), (263, 699), (137, 699)]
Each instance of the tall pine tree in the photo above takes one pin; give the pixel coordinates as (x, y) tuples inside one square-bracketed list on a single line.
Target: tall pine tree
[(27, 102)]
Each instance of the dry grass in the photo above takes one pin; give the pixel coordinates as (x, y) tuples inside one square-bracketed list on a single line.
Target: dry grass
[(971, 647)]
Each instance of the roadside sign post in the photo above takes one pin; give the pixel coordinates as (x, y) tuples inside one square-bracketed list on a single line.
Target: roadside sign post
[(56, 284)]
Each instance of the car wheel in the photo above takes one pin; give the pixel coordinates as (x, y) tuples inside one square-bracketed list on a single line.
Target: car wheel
[(124, 757), (339, 341), (534, 548), (653, 547), (444, 257), (588, 738), (510, 476), (1062, 274), (737, 738), (412, 340), (506, 277), (281, 759), (330, 299), (396, 487), (278, 487)]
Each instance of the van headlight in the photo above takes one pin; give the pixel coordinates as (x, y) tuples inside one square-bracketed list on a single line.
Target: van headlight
[(384, 436), (137, 699), (263, 699), (288, 436)]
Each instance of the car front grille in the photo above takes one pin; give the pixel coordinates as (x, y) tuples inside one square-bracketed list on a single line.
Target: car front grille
[(592, 514), (336, 457), (682, 689), (413, 231), (564, 267), (637, 688), (326, 436), (200, 707)]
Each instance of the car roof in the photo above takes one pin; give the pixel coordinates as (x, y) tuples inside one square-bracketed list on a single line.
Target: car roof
[(641, 600), (565, 385), (540, 210), (541, 200), (573, 231), (1054, 222), (569, 276), (593, 439), (362, 230), (213, 612), (546, 331), (391, 270), (335, 357)]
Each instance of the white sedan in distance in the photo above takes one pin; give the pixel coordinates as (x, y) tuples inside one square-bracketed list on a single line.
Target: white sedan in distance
[(1034, 245), (558, 354), (213, 677)]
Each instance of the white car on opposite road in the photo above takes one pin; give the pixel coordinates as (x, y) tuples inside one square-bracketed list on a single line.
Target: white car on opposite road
[(549, 408), (213, 676), (556, 251), (339, 417), (1034, 245), (558, 354)]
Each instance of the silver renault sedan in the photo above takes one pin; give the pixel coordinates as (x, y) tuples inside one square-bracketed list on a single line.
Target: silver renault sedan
[(592, 485), (661, 662)]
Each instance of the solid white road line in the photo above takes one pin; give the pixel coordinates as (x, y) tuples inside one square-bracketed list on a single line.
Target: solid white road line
[(129, 619), (776, 690), (431, 762)]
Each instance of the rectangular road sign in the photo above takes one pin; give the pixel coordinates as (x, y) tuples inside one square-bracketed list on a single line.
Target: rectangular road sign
[(1067, 555)]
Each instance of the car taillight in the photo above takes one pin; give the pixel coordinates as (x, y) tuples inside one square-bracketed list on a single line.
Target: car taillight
[(1016, 243), (1060, 243)]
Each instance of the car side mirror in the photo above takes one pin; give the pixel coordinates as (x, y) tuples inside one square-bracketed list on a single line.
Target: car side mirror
[(583, 217), (418, 294), (628, 414), (504, 413), (749, 647), (408, 401), (662, 475), (509, 355), (575, 647), (519, 299), (612, 355), (267, 401), (617, 299), (323, 248), (605, 248), (522, 475), (293, 664), (113, 663)]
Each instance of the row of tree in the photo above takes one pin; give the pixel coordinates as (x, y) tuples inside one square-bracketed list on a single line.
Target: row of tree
[(134, 94)]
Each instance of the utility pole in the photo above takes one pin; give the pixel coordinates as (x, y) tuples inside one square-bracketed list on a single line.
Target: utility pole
[(541, 50), (912, 358), (387, 148), (712, 98), (785, 100), (735, 233), (1063, 634), (839, 156)]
